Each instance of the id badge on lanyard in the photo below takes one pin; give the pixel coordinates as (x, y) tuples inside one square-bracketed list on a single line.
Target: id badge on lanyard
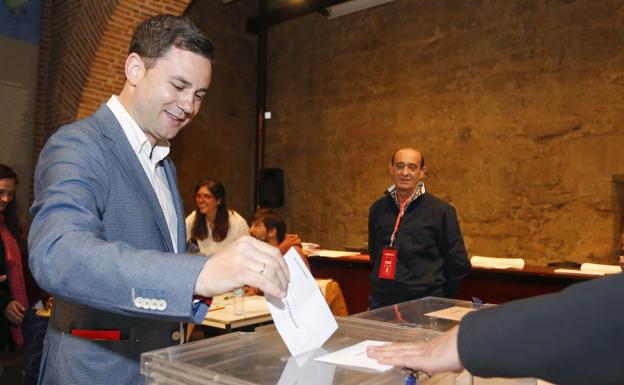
[(387, 267)]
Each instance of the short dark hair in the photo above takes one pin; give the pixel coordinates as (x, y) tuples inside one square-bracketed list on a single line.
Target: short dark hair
[(422, 157), (155, 36), (272, 220)]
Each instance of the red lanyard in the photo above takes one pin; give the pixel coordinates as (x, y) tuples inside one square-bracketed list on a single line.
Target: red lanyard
[(398, 221)]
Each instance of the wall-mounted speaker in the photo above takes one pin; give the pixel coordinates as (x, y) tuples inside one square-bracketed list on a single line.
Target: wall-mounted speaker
[(271, 188)]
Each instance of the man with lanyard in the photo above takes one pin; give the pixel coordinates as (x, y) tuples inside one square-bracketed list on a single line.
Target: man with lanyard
[(414, 239)]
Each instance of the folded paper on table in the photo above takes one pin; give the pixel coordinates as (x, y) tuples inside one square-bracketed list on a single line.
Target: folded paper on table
[(497, 263), (599, 269), (574, 271), (355, 356), (334, 253), (303, 318)]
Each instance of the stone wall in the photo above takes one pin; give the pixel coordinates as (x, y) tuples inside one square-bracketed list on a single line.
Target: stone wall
[(517, 105)]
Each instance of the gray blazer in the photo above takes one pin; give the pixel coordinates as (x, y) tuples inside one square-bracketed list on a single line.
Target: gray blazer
[(99, 243)]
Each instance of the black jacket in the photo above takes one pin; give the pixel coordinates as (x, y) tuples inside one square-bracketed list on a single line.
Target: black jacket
[(572, 337), (432, 258)]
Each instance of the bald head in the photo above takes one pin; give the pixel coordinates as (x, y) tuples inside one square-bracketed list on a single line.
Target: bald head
[(407, 168), (411, 150)]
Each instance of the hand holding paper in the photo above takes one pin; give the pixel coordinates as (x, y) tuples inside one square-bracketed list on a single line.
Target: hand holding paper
[(302, 318)]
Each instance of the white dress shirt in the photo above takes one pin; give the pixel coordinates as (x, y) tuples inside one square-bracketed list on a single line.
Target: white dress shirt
[(150, 158)]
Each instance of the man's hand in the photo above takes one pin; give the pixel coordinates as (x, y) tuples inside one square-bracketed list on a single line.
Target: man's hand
[(14, 312), (438, 355), (3, 278), (289, 241), (247, 261)]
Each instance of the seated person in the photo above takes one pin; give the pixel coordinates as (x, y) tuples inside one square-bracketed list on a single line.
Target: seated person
[(212, 226), (267, 225)]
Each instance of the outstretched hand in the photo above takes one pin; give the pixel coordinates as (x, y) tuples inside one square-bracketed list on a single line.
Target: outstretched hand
[(437, 355), (247, 261)]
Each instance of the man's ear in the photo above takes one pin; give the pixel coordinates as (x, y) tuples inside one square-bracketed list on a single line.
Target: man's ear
[(135, 68), (272, 233)]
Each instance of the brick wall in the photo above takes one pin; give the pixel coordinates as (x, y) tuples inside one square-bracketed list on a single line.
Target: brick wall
[(517, 106), (83, 49)]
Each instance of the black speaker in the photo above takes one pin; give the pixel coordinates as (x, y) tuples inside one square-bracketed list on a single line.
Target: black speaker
[(271, 188)]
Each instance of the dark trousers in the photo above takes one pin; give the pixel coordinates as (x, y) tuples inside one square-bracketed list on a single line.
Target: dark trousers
[(34, 330)]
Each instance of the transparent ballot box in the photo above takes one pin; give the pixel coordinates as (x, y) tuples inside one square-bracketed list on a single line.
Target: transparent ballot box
[(417, 313), (262, 358)]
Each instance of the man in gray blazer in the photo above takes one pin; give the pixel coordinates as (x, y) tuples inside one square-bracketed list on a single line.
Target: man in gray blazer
[(107, 238)]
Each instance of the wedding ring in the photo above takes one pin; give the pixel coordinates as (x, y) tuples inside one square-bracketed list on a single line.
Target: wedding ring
[(262, 268)]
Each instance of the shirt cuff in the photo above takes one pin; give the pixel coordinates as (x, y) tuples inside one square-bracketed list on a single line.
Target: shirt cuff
[(199, 309)]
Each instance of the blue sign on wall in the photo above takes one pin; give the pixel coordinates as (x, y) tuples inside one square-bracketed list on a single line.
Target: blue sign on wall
[(21, 19)]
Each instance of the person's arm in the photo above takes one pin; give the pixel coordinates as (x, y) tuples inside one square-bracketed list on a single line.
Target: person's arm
[(72, 257), (456, 264), (289, 241), (571, 337), (247, 261)]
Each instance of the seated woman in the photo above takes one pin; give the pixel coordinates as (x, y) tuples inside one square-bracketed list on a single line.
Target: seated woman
[(212, 226)]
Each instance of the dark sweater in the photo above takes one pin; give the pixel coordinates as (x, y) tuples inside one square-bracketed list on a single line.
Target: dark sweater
[(431, 257)]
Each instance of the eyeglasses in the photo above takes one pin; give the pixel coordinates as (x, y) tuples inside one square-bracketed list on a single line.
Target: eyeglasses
[(8, 194), (411, 167), (205, 196)]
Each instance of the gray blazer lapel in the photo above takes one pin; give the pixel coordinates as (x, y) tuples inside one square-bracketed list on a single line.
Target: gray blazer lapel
[(172, 180), (121, 149)]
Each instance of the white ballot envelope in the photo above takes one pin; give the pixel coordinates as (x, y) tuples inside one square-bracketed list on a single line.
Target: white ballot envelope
[(303, 318), (355, 356)]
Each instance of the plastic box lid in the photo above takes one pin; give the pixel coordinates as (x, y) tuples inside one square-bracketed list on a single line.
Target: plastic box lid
[(411, 314)]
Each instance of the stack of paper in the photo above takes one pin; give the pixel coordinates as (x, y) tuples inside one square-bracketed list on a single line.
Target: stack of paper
[(497, 263), (592, 269)]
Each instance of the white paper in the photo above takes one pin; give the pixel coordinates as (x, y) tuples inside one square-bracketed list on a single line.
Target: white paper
[(355, 356), (303, 318), (455, 313), (334, 253), (575, 271), (304, 370), (497, 263), (600, 269)]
